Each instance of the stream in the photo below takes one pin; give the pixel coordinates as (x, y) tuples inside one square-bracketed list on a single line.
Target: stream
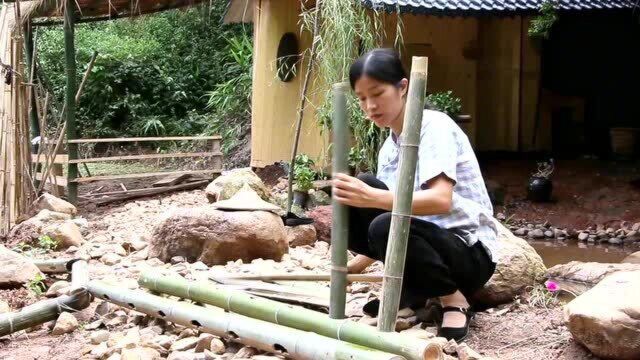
[(556, 252)]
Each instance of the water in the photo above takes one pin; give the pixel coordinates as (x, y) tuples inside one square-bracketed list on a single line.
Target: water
[(557, 252)]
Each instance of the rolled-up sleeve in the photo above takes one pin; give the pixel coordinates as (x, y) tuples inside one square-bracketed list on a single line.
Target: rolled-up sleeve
[(437, 153)]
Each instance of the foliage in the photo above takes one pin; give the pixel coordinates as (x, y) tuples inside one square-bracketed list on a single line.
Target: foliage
[(304, 172), (539, 296), (446, 102), (346, 31), (37, 285), (541, 25), (153, 73), (46, 243)]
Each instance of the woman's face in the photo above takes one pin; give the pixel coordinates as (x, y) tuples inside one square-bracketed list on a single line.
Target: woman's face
[(382, 102)]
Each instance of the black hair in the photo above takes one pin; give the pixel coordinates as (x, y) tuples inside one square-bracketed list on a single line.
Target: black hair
[(380, 64)]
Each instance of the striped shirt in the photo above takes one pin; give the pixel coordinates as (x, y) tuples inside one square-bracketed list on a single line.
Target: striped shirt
[(445, 149)]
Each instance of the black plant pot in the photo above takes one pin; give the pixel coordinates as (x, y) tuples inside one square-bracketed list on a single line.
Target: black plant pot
[(300, 198), (539, 189)]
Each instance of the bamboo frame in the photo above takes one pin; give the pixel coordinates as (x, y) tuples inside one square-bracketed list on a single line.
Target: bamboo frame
[(340, 223), (403, 198), (292, 316)]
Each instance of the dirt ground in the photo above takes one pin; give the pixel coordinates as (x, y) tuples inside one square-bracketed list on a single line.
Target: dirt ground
[(521, 333)]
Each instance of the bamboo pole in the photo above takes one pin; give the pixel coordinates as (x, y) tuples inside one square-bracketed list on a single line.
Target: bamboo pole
[(54, 266), (79, 274), (262, 335), (368, 278), (403, 198), (340, 223), (292, 316), (70, 92), (43, 311)]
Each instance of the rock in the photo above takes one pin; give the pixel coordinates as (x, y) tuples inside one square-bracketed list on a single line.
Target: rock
[(450, 347), (204, 342), (101, 351), (589, 273), (501, 217), (140, 255), (615, 241), (636, 227), (82, 223), (103, 308), (184, 344), (128, 341), (632, 236), (521, 232), (65, 324), (177, 260), (322, 222), (49, 202), (246, 352), (57, 288), (217, 346), (417, 333), (140, 353), (317, 198), (94, 325), (115, 356), (518, 266), (301, 235), (583, 236), (226, 185), (606, 318), (536, 234), (215, 237), (117, 321), (548, 233), (466, 353), (16, 270), (66, 234), (4, 307), (632, 259), (183, 355), (99, 336), (110, 259)]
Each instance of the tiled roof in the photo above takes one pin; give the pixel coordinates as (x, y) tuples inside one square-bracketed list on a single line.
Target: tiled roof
[(477, 6)]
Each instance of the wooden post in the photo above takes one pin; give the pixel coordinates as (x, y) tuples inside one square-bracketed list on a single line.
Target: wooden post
[(29, 48), (70, 94), (340, 223), (403, 198)]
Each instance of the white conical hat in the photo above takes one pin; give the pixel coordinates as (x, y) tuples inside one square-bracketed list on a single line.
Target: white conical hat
[(246, 199)]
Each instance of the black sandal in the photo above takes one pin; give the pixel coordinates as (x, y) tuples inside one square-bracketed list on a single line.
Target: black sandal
[(292, 219), (458, 333)]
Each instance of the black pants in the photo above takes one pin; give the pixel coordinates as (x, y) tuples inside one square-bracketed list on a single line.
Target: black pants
[(438, 262)]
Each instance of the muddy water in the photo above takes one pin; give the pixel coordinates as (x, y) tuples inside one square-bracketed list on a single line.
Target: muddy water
[(556, 252)]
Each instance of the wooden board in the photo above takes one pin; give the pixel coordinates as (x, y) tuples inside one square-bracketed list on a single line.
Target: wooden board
[(145, 157), (59, 159), (142, 175), (172, 180)]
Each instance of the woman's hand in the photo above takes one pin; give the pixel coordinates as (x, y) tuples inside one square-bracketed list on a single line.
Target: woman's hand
[(351, 191)]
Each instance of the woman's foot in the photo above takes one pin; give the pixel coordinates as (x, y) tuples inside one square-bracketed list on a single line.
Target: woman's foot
[(456, 317)]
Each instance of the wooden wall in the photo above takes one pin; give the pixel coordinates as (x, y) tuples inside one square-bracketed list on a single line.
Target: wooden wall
[(274, 105)]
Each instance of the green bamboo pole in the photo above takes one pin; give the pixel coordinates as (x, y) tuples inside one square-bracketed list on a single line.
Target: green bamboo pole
[(262, 335), (403, 198), (79, 274), (43, 311), (292, 316), (340, 222), (70, 92), (54, 266)]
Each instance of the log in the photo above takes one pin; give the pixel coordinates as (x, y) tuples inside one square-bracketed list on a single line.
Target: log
[(54, 266), (292, 316), (403, 197), (262, 335)]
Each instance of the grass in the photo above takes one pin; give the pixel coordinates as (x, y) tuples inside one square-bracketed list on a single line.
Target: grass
[(37, 285), (539, 296)]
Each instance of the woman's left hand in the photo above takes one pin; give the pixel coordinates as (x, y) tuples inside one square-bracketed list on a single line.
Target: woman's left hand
[(351, 191)]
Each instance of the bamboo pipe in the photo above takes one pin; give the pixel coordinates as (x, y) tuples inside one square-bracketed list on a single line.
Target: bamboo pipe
[(69, 98), (340, 223), (79, 274), (262, 335), (54, 266), (292, 316), (403, 197), (368, 278)]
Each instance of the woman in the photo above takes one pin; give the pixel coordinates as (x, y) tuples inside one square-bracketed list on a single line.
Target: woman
[(452, 238)]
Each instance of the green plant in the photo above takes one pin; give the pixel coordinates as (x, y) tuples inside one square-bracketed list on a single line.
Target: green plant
[(22, 247), (304, 172), (37, 285), (46, 243), (539, 296), (541, 25), (446, 102)]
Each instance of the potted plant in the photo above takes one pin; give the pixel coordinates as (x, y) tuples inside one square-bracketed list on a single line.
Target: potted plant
[(540, 186), (305, 175), (445, 102)]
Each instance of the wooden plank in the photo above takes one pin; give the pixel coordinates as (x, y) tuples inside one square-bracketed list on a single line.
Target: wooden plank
[(59, 180), (171, 180), (145, 156), (373, 278), (133, 139), (60, 159), (132, 194), (142, 175)]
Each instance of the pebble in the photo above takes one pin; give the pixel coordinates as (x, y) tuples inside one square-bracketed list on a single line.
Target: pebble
[(183, 355), (65, 324), (583, 236), (246, 352), (178, 260), (217, 346), (204, 342), (450, 347), (4, 307), (94, 325), (548, 233), (184, 344), (615, 241), (466, 353), (501, 217), (140, 353), (521, 232), (101, 351), (186, 333), (99, 337), (417, 333), (115, 356), (58, 288), (636, 227), (110, 259), (536, 234)]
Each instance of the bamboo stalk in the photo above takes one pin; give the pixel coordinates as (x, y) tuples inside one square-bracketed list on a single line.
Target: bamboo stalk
[(43, 311), (403, 197), (369, 278), (54, 266), (340, 223), (79, 274), (262, 335), (292, 316), (70, 92)]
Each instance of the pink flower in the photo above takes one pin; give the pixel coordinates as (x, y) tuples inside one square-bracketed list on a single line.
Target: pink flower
[(552, 286)]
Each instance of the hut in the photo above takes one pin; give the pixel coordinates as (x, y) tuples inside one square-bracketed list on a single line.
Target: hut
[(563, 94)]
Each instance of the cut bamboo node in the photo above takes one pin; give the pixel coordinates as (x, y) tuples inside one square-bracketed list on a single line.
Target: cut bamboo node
[(344, 86), (419, 65)]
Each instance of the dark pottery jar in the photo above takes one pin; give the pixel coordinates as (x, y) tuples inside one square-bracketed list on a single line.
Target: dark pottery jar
[(300, 198), (539, 189)]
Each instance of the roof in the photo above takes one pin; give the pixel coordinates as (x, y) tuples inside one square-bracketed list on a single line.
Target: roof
[(491, 6)]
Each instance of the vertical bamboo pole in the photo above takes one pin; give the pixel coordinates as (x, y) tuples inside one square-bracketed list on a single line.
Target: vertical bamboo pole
[(70, 104), (29, 50), (403, 198), (340, 223)]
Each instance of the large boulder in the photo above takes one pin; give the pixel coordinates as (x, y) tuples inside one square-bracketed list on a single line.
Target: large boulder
[(301, 235), (49, 202), (65, 234), (587, 273), (606, 319), (632, 259), (216, 237), (15, 269), (518, 267), (229, 183), (321, 216), (28, 231)]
